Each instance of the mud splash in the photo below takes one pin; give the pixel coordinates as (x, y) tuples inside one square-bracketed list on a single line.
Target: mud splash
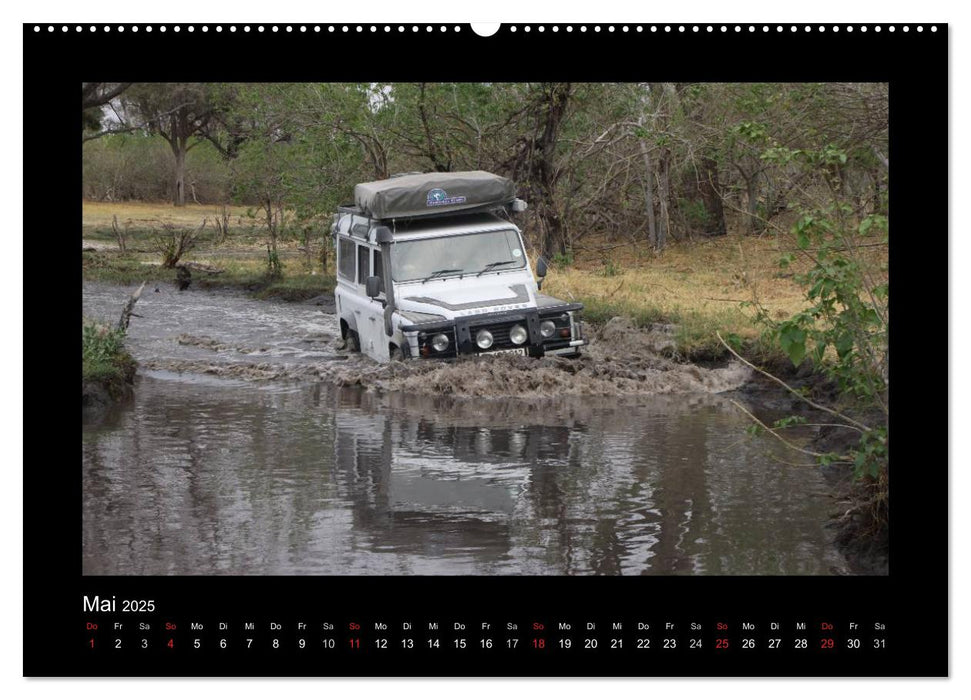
[(231, 336), (621, 360)]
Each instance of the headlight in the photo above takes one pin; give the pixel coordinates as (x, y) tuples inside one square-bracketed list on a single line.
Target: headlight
[(483, 339), (518, 334), (440, 342), (547, 328)]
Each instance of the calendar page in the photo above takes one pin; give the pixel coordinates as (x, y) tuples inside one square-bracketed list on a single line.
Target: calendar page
[(535, 350)]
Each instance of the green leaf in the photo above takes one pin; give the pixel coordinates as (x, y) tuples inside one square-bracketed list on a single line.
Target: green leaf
[(789, 420), (819, 351), (844, 345), (792, 338)]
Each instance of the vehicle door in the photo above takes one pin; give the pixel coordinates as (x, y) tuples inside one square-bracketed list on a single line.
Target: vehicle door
[(374, 341)]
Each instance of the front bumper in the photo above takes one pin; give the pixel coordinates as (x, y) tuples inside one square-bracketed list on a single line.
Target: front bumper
[(567, 337)]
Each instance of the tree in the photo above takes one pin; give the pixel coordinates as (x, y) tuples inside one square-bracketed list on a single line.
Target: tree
[(178, 112), (533, 161), (94, 97)]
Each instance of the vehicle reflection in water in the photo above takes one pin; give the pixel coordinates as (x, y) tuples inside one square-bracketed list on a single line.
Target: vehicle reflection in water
[(222, 477)]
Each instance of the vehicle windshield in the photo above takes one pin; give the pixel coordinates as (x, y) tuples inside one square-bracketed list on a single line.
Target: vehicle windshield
[(464, 254)]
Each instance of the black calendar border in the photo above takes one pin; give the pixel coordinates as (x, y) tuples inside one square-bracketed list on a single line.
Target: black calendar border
[(914, 597)]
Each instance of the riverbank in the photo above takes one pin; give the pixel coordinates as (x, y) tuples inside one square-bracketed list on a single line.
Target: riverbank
[(859, 518), (107, 368)]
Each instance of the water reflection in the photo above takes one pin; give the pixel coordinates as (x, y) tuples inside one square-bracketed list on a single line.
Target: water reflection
[(197, 478)]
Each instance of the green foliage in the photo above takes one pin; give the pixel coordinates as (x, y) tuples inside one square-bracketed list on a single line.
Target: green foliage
[(139, 167), (752, 131), (564, 259), (293, 151), (611, 269), (734, 341), (789, 421), (274, 267), (103, 356), (792, 338), (870, 454), (695, 213), (847, 309), (100, 342), (843, 328)]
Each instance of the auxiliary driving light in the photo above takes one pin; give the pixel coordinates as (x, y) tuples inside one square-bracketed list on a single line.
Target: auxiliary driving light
[(546, 329), (518, 335), (483, 339), (440, 342)]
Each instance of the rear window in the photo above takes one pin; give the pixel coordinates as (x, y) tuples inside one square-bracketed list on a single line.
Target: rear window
[(363, 263), (345, 259)]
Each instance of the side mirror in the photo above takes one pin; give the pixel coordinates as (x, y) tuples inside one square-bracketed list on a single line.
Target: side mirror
[(373, 286), (541, 270)]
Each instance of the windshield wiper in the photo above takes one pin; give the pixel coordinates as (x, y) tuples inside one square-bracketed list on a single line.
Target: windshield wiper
[(439, 273), (491, 265)]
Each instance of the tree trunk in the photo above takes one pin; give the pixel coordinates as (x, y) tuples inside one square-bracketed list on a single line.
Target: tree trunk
[(878, 207), (274, 268), (649, 194), (178, 198), (544, 167), (664, 192), (711, 196), (752, 192), (533, 164)]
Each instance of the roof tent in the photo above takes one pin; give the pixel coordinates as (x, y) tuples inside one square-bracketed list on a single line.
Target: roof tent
[(433, 194)]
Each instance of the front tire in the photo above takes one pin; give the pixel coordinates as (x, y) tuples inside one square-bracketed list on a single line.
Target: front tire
[(353, 341)]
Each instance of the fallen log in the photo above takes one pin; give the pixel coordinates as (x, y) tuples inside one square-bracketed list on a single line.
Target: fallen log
[(126, 313)]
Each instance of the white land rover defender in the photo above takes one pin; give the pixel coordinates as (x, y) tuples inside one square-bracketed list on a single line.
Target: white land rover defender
[(430, 266)]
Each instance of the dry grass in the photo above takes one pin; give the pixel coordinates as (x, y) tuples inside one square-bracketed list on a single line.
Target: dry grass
[(703, 283), (703, 286), (142, 215), (242, 257)]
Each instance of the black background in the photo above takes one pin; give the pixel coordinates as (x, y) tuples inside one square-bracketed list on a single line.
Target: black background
[(912, 601)]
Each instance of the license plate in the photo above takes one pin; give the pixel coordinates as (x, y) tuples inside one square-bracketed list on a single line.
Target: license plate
[(512, 351)]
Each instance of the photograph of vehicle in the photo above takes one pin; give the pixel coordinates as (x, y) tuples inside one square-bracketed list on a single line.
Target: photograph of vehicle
[(486, 329)]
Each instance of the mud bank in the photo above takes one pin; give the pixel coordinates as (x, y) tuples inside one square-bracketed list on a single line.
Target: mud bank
[(100, 392), (859, 515), (860, 520), (621, 360)]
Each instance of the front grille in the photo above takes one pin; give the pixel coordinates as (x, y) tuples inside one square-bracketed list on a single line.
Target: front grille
[(500, 334)]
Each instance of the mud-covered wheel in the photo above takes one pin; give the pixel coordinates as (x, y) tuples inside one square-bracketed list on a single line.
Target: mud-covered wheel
[(396, 355), (352, 342)]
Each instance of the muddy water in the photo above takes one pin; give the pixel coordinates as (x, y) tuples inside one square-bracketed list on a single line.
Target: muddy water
[(296, 465)]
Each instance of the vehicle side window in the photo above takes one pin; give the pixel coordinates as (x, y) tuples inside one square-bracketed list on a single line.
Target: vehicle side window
[(345, 259), (378, 267), (363, 263)]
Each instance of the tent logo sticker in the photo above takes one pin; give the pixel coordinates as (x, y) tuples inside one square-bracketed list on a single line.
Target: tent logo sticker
[(437, 197)]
